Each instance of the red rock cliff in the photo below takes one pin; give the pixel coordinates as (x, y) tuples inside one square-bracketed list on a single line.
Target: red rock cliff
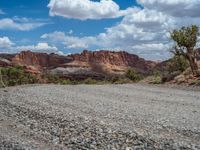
[(120, 59), (97, 61), (39, 60)]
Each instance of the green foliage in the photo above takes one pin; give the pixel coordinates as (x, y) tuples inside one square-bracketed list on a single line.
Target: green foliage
[(157, 77), (133, 75), (51, 78), (115, 79), (177, 63), (16, 76), (120, 80), (89, 81), (12, 76), (65, 82), (175, 67), (186, 39)]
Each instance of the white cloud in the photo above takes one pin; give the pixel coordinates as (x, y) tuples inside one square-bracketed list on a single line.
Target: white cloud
[(177, 8), (5, 42), (40, 47), (22, 24), (7, 46), (86, 9), (154, 51), (70, 42), (143, 31)]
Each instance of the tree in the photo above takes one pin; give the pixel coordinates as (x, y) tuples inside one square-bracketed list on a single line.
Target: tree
[(186, 39)]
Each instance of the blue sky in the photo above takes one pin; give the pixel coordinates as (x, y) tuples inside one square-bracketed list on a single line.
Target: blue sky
[(69, 26)]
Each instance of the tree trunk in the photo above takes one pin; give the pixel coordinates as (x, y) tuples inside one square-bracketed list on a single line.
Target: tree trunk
[(193, 65)]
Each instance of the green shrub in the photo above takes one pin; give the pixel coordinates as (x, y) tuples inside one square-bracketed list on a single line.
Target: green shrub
[(114, 79), (65, 82), (174, 67), (16, 76), (133, 75), (51, 78), (89, 81), (120, 80), (177, 63), (157, 77)]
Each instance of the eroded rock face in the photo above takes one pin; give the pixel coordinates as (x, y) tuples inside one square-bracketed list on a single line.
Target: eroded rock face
[(87, 63), (115, 61), (39, 60)]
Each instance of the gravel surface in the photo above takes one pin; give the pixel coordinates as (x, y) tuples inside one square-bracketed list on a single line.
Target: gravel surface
[(124, 117)]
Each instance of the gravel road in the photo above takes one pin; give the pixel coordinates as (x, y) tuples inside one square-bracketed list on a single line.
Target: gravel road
[(130, 116)]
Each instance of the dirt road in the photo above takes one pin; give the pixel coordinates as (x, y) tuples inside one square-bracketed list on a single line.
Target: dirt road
[(130, 116)]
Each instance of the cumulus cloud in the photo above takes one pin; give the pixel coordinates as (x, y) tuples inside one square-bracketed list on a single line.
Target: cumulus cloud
[(86, 9), (7, 46), (154, 51), (143, 31), (177, 8), (40, 47), (5, 42), (136, 32), (70, 42), (22, 24)]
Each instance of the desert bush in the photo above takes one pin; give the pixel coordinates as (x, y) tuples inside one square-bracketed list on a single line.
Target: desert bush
[(133, 75), (177, 63), (119, 79), (16, 76), (157, 77), (65, 82), (89, 81), (174, 67), (52, 78), (115, 79)]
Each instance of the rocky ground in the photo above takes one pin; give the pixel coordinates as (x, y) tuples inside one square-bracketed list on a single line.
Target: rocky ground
[(131, 116)]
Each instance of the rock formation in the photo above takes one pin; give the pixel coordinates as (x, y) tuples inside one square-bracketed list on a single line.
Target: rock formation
[(111, 61), (39, 60), (86, 64)]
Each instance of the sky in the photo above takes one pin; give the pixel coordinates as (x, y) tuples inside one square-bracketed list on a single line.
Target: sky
[(64, 27)]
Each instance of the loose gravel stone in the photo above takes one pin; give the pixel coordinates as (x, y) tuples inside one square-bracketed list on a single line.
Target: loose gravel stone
[(121, 117)]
